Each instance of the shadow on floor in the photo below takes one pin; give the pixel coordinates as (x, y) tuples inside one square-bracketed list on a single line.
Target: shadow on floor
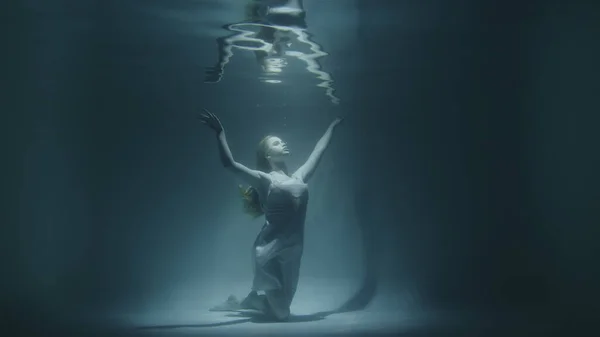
[(357, 302), (207, 325), (260, 318)]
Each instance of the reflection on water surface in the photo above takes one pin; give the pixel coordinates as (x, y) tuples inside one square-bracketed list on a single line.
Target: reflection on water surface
[(275, 35)]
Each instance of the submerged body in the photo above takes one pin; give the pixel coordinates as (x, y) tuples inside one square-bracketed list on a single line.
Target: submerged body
[(283, 199), (277, 250)]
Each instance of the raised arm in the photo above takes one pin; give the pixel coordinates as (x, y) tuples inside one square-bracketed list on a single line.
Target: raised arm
[(306, 171), (252, 177)]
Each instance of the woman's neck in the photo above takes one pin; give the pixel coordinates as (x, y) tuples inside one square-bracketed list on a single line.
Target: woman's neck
[(278, 167)]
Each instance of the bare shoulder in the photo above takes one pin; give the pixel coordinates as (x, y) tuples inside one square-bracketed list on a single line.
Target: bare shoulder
[(298, 177), (265, 179), (264, 184)]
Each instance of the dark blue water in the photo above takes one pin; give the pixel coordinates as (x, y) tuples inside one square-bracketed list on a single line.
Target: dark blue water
[(463, 178)]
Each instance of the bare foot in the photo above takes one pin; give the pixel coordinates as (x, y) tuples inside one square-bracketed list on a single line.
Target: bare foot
[(232, 304)]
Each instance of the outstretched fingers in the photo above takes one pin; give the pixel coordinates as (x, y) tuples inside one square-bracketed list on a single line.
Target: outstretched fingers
[(208, 115), (212, 115), (216, 118), (210, 119)]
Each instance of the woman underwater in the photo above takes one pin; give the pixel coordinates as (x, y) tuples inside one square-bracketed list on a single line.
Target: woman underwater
[(282, 198)]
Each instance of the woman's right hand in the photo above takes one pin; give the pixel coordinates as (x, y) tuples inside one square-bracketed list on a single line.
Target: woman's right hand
[(211, 120)]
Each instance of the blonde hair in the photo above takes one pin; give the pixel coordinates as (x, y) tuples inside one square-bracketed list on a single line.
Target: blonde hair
[(251, 201), (250, 197)]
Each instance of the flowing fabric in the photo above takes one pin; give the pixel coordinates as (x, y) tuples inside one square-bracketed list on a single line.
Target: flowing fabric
[(277, 250)]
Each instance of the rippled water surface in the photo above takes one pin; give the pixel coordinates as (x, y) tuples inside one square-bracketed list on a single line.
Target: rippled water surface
[(292, 44)]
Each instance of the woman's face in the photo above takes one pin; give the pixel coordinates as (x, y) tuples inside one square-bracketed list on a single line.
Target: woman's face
[(276, 149)]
